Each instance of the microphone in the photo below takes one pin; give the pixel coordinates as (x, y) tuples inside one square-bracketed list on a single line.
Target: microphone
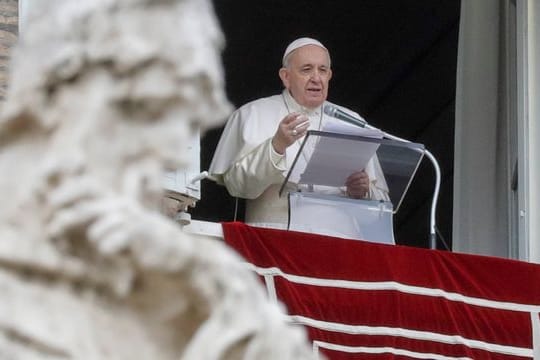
[(337, 113)]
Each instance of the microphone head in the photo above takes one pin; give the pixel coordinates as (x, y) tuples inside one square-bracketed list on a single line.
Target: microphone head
[(335, 112), (330, 110)]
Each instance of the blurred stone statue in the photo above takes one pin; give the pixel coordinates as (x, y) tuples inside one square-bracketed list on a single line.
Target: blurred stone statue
[(103, 95)]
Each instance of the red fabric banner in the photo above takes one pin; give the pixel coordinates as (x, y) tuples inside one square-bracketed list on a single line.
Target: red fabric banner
[(360, 300)]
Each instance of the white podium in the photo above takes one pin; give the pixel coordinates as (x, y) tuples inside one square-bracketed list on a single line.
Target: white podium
[(324, 161)]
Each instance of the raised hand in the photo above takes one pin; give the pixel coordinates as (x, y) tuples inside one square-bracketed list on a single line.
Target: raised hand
[(291, 128)]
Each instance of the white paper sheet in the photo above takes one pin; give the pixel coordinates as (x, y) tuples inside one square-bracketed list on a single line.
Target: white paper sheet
[(333, 160), (348, 129)]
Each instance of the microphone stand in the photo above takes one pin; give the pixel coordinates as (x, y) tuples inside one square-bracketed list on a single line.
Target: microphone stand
[(432, 220)]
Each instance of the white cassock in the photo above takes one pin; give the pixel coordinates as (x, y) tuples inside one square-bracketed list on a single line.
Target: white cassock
[(246, 163)]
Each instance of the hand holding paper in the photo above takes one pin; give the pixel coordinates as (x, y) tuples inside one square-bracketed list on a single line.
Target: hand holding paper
[(357, 184)]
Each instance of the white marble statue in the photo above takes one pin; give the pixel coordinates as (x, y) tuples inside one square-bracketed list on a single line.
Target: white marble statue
[(103, 94)]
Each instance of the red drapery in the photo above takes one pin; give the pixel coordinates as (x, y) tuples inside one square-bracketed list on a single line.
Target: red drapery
[(360, 300)]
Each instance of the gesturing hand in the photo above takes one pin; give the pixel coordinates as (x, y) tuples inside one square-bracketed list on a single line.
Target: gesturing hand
[(291, 128), (357, 185)]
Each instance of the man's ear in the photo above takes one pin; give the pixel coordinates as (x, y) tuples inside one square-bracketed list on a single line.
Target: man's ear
[(284, 76)]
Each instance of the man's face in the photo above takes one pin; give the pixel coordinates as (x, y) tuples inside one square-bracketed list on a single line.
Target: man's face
[(307, 75)]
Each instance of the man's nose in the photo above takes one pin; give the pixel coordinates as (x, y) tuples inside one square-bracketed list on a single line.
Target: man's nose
[(315, 76)]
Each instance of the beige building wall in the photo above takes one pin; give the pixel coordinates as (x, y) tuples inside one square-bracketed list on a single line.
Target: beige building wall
[(8, 37)]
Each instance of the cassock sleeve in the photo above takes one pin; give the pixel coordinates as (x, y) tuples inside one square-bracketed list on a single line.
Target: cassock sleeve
[(249, 177), (245, 160)]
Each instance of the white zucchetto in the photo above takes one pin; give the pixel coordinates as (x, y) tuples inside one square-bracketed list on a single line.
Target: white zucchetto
[(298, 43)]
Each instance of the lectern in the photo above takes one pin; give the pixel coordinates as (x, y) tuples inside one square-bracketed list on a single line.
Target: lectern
[(317, 201)]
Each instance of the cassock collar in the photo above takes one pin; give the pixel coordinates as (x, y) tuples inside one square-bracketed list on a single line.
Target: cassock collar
[(293, 106)]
